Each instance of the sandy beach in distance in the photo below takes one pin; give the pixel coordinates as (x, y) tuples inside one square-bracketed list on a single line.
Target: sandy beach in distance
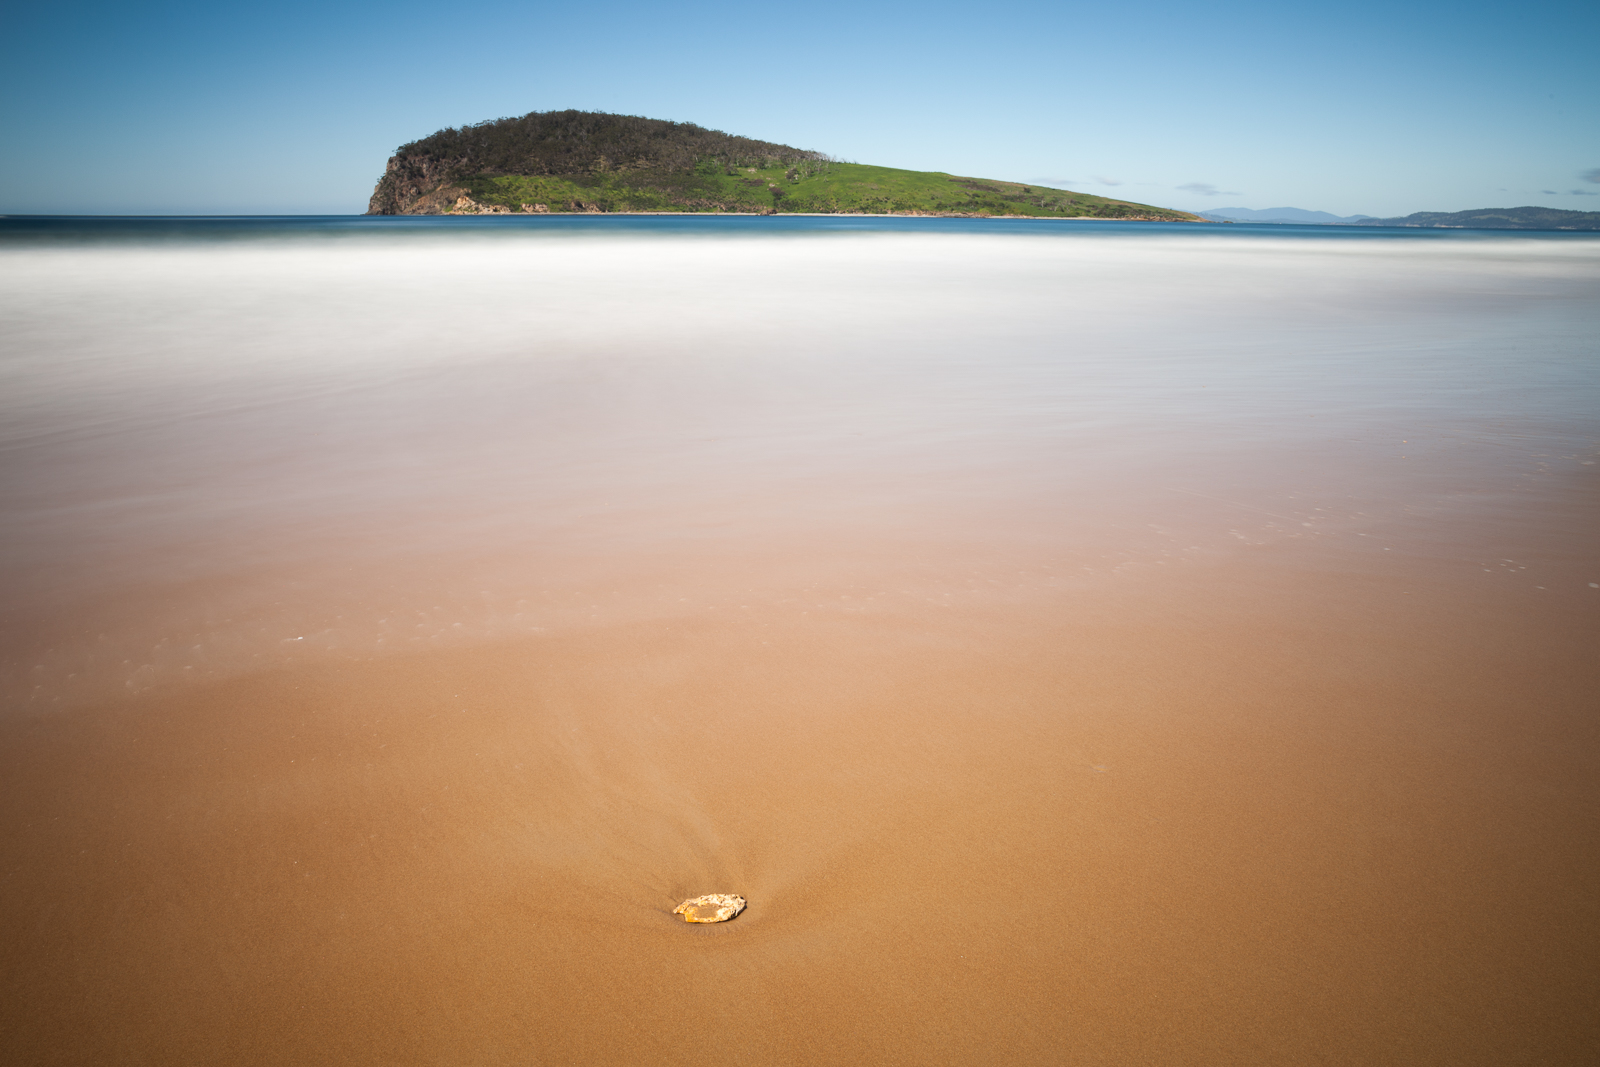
[(1094, 650)]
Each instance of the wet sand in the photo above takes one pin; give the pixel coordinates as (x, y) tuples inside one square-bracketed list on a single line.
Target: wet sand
[(1033, 732), (1190, 822)]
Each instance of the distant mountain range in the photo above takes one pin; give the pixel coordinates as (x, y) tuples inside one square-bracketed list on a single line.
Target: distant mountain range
[(1488, 218), (1497, 218), (1296, 216)]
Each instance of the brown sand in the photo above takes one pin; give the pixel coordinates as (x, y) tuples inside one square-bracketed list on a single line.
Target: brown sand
[(1277, 750), (1261, 815)]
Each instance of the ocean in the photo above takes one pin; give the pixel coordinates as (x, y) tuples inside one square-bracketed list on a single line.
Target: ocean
[(1079, 641)]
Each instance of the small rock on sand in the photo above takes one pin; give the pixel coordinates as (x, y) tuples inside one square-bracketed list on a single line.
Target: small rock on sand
[(711, 908)]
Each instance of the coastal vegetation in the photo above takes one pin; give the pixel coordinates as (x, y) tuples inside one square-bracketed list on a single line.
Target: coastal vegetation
[(576, 161)]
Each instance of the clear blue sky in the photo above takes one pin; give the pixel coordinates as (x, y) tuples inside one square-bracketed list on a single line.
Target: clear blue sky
[(1379, 109)]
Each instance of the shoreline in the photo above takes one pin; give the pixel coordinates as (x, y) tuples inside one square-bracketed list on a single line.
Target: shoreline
[(793, 214), (397, 631)]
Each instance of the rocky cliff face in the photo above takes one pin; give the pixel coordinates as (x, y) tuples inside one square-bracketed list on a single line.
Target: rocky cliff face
[(413, 185)]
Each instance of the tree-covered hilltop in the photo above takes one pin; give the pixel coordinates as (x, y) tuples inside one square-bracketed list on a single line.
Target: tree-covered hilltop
[(1496, 218), (579, 161)]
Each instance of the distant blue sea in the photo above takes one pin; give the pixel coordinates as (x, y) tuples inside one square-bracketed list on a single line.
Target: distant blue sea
[(71, 228)]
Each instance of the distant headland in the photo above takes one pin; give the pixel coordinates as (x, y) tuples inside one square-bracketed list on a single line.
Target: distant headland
[(1494, 218), (1483, 218), (590, 162)]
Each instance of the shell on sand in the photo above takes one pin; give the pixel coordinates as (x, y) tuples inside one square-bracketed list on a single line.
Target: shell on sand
[(711, 908)]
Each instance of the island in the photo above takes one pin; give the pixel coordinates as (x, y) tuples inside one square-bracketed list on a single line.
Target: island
[(550, 162)]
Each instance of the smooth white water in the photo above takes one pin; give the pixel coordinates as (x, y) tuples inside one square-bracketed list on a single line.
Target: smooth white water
[(220, 456)]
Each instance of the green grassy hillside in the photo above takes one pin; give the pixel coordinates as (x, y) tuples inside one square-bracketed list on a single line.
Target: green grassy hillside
[(577, 161), (829, 188)]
